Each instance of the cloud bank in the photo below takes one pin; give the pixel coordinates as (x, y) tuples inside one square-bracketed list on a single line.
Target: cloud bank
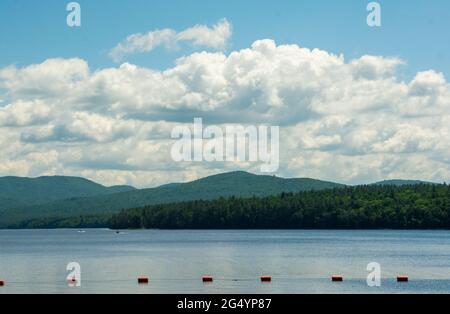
[(351, 121)]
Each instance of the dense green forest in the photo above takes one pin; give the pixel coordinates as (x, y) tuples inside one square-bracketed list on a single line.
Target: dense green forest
[(421, 206)]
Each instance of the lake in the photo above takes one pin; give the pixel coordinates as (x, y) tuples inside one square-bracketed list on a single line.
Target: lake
[(34, 261)]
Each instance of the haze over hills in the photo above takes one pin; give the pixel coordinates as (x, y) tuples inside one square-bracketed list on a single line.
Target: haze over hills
[(46, 197)]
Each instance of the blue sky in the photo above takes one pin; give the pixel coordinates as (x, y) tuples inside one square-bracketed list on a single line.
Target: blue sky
[(416, 31), (87, 102)]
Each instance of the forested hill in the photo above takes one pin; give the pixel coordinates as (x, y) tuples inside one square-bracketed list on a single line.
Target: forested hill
[(239, 184), (421, 206), (18, 191)]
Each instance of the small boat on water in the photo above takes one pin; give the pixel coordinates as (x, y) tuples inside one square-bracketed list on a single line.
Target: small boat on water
[(81, 231)]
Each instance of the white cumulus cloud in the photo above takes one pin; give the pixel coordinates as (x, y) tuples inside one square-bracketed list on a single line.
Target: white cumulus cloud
[(352, 121)]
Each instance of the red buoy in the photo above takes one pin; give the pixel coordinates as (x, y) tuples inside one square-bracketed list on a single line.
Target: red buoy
[(142, 280), (402, 278), (266, 278), (337, 278), (207, 279), (2, 283)]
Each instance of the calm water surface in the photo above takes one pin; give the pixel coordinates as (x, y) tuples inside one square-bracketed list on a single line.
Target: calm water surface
[(34, 261)]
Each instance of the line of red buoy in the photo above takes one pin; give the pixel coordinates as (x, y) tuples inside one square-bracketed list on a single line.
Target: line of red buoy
[(145, 280), (334, 278)]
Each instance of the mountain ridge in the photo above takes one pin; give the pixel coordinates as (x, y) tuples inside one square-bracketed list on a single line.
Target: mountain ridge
[(109, 200), (237, 183), (21, 191)]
